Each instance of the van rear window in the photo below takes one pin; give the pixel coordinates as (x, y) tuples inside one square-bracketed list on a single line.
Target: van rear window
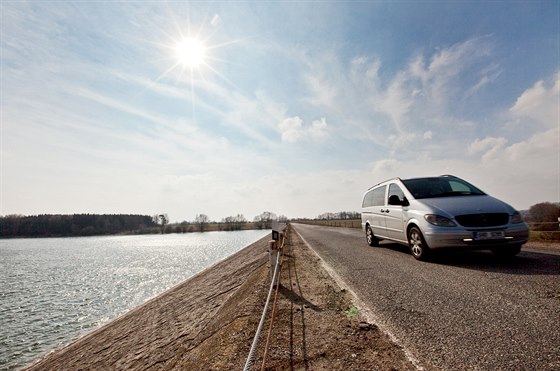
[(375, 197)]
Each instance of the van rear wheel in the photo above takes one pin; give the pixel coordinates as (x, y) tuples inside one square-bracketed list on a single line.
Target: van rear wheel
[(418, 246), (370, 237)]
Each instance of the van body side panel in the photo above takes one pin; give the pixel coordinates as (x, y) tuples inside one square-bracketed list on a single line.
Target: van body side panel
[(394, 223), (377, 221)]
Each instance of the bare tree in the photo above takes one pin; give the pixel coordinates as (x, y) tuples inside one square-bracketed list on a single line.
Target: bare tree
[(239, 221), (202, 220), (264, 220), (161, 220)]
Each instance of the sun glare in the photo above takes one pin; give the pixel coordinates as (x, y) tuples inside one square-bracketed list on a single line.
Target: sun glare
[(190, 52)]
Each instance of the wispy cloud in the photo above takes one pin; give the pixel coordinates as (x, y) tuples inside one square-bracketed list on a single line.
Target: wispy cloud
[(421, 97), (414, 104)]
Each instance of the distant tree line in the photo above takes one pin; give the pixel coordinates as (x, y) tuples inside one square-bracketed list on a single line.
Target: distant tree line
[(48, 225), (73, 225)]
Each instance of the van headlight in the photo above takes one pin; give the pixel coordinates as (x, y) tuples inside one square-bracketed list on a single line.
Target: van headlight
[(440, 221), (516, 218)]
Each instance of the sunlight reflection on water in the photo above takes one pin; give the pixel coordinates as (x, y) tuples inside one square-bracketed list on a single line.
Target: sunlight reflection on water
[(58, 289)]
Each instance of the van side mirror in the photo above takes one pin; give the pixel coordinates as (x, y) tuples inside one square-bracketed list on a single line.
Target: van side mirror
[(395, 200), (405, 202)]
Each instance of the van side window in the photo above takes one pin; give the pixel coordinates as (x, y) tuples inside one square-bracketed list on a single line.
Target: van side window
[(368, 199), (379, 196), (395, 190), (375, 197)]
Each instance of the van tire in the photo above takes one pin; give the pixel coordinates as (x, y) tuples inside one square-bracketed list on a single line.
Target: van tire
[(370, 237), (418, 246)]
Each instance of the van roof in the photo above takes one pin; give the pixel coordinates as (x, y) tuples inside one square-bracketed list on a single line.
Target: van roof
[(385, 181), (422, 177)]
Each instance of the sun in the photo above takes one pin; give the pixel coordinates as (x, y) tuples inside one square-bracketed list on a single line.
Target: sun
[(190, 52)]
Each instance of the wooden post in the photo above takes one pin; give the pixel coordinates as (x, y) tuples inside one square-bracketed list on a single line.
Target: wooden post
[(272, 257)]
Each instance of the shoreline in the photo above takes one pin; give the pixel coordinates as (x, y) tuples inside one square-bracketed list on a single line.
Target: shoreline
[(161, 330)]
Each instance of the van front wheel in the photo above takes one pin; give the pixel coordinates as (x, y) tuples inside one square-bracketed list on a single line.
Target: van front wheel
[(418, 247), (370, 237)]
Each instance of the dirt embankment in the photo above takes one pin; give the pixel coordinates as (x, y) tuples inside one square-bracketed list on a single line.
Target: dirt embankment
[(209, 321)]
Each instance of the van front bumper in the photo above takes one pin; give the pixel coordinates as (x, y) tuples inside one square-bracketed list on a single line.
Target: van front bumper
[(441, 237)]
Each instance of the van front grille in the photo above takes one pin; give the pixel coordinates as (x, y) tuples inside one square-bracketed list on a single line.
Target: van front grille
[(483, 220)]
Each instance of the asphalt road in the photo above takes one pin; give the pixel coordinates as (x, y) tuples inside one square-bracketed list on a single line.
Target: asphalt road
[(460, 311)]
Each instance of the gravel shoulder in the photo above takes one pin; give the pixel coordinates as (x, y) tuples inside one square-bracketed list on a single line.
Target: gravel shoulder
[(209, 321)]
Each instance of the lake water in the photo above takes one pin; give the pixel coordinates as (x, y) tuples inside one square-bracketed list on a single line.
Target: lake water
[(54, 290)]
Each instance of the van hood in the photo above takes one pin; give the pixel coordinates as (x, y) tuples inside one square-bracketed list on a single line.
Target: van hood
[(461, 205)]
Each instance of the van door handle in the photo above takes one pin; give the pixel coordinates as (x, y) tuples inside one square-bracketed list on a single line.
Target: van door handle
[(384, 211)]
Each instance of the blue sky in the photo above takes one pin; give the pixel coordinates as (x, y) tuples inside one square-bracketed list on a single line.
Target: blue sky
[(296, 108)]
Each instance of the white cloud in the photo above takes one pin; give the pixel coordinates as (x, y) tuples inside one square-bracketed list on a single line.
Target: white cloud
[(323, 92), (293, 130), (319, 129), (527, 171), (398, 100), (540, 103), (488, 146), (386, 167), (487, 76), (539, 152), (361, 67)]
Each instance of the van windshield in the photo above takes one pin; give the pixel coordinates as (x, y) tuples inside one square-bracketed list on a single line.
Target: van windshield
[(440, 187)]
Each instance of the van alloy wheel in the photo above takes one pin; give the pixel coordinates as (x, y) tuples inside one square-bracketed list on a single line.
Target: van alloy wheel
[(418, 247), (370, 237)]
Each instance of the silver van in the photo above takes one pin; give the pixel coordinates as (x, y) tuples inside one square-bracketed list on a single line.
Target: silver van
[(440, 212)]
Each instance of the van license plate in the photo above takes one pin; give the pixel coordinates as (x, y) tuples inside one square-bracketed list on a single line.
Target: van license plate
[(488, 235)]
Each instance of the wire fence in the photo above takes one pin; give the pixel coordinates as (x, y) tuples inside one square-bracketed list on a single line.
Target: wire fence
[(273, 282), (345, 223)]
